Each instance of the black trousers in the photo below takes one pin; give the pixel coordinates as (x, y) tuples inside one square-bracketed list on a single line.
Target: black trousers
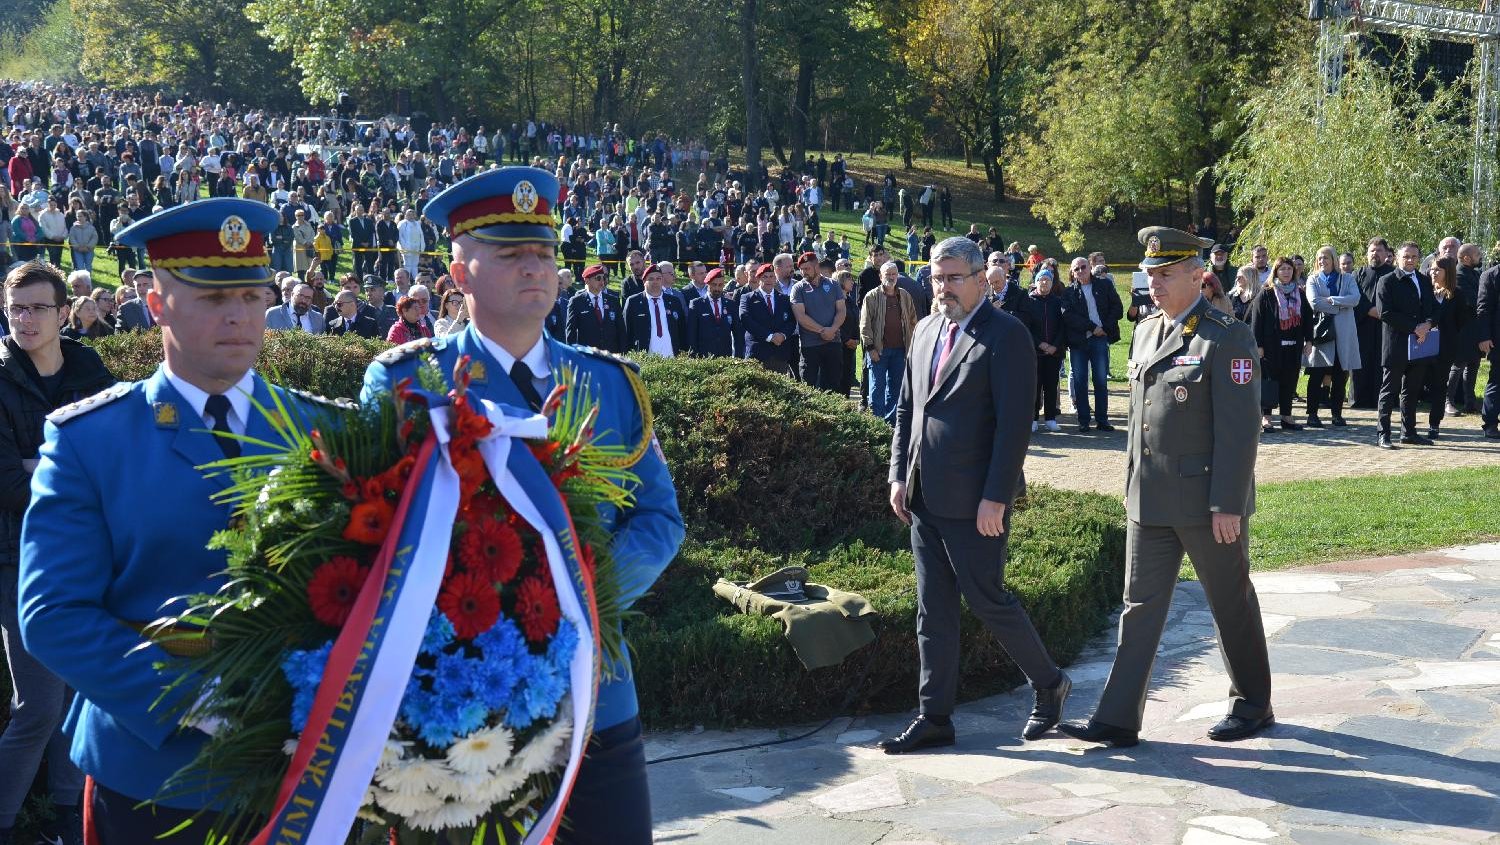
[(1401, 383), (1330, 396), (1436, 390), (1284, 364), (953, 559), (117, 821), (849, 377), (1463, 377), (1048, 369), (823, 367), (1366, 382), (1489, 412), (611, 801)]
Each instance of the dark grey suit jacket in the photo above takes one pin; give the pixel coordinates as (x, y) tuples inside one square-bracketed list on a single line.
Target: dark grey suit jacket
[(963, 437), (133, 316)]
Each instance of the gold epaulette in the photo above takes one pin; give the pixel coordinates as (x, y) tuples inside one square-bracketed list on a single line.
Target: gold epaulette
[(642, 399)]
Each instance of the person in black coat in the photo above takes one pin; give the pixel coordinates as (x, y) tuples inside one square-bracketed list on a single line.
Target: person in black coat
[(643, 332), (1452, 314), (1281, 319), (1091, 318), (766, 314), (594, 314), (349, 318), (375, 307), (712, 321), (361, 239), (1487, 315), (1365, 387), (1008, 297), (1047, 336), (386, 235), (1407, 309), (1463, 377)]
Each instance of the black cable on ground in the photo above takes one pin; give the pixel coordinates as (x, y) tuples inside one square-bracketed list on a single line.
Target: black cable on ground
[(843, 710)]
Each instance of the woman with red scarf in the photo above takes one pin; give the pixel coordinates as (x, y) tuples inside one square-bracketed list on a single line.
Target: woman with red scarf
[(1282, 322)]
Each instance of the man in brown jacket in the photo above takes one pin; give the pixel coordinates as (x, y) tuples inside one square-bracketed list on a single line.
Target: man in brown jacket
[(887, 318)]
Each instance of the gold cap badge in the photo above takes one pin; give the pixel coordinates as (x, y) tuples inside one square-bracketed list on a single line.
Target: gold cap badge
[(234, 235)]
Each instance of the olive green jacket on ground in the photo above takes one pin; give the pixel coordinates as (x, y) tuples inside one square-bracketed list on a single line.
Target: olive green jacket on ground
[(823, 628)]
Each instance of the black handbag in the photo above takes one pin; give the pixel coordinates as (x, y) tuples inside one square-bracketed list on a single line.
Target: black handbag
[(1323, 331)]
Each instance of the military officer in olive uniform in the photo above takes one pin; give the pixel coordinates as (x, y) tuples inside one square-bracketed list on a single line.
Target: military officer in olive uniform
[(1189, 486)]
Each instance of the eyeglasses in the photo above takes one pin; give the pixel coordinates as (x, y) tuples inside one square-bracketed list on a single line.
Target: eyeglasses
[(18, 311), (954, 279)]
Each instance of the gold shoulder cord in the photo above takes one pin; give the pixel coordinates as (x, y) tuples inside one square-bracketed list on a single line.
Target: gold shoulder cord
[(644, 401)]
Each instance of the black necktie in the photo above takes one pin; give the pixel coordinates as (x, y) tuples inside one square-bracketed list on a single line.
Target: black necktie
[(217, 407), (521, 375)]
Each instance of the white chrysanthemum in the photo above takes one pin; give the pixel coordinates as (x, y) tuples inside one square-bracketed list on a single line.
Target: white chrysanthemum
[(481, 752), (406, 805), (393, 753), (468, 788), (450, 815), (289, 747), (502, 785), (541, 753), (413, 777)]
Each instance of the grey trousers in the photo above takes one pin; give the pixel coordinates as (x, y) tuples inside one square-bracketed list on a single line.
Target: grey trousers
[(1153, 557), (953, 559), (38, 703)]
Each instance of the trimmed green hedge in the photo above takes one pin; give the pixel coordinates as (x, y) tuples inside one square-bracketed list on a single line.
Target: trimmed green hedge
[(771, 472)]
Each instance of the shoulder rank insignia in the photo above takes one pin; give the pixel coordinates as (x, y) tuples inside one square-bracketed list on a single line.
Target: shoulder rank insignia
[(404, 352), (1190, 326), (477, 372), (1219, 317), (314, 398), (165, 414), (609, 356), (89, 403)]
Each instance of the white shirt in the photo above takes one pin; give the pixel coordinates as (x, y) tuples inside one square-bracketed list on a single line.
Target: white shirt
[(238, 396), (535, 359), (656, 307)]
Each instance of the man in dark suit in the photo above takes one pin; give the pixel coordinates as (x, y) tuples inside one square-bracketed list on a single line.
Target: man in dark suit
[(594, 313), (349, 319), (711, 322), (1365, 388), (1464, 374), (1007, 296), (653, 320), (375, 306), (962, 427), (386, 235), (766, 316), (1488, 320), (1404, 298), (362, 240), (134, 317)]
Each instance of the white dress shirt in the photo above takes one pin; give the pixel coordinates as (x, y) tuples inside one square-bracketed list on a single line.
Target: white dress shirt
[(238, 396)]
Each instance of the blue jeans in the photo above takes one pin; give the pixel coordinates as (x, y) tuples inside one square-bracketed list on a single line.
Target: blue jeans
[(884, 378), (1090, 360)]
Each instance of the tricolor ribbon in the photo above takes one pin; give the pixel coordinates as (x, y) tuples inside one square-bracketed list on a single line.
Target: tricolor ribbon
[(373, 656)]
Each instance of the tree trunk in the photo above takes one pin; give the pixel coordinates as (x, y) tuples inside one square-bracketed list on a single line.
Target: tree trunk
[(748, 73), (906, 154), (774, 137), (997, 180), (1208, 189), (801, 108)]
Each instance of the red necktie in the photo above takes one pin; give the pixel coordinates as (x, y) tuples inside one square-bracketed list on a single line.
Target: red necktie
[(771, 305), (598, 310), (947, 349), (716, 311), (656, 306)]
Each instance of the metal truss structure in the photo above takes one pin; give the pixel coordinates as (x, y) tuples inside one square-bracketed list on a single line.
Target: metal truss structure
[(1480, 28)]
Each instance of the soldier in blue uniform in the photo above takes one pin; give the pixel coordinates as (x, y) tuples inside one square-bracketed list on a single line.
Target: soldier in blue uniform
[(712, 320), (594, 313), (509, 272), (105, 544)]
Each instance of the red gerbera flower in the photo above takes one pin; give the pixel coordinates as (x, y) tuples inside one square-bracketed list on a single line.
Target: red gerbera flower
[(470, 603), (536, 601), (368, 522), (333, 588), (492, 549)]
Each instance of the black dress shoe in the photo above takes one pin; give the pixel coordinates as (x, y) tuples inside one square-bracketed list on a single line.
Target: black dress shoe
[(1291, 426), (1083, 428), (1384, 441), (1492, 433), (921, 733), (1415, 440), (1048, 709), (1231, 728), (1337, 421), (1432, 434), (1314, 422), (1092, 731), (1104, 426)]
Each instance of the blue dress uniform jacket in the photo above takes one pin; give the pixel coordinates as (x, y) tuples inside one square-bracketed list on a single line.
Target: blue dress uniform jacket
[(584, 328), (646, 536), (711, 336), (107, 543)]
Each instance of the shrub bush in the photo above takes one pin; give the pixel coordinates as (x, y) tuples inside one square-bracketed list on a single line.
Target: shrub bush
[(771, 472)]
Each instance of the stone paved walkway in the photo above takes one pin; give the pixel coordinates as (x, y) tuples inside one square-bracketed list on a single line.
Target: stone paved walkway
[(1096, 461), (1387, 676)]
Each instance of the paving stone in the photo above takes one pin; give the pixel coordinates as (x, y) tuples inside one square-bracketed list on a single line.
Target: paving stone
[(1087, 789), (1133, 825), (1399, 637), (1241, 826), (1459, 673), (1060, 807), (1008, 792), (1303, 606), (1144, 795), (947, 814), (1307, 660), (1457, 708), (857, 737), (752, 794), (1227, 799), (1333, 837), (1289, 582), (882, 790), (1398, 735), (991, 834), (1196, 836), (966, 768), (796, 830), (1483, 552)]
